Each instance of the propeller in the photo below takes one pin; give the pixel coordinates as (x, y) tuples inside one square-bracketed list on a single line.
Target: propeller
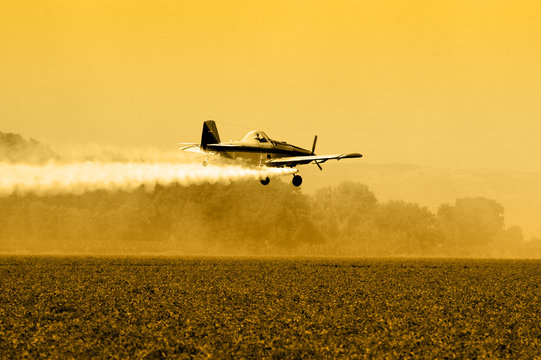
[(313, 152)]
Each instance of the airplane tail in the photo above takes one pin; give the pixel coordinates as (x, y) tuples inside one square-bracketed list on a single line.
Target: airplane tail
[(210, 134)]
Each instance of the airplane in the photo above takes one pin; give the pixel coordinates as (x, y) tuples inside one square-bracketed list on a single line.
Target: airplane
[(258, 149)]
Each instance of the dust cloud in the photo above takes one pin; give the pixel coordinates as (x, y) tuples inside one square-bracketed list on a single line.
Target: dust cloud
[(245, 218)]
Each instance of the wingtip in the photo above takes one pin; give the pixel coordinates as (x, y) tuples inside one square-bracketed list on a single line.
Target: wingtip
[(351, 155)]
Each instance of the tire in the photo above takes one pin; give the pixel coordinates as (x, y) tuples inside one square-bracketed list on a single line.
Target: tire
[(297, 180)]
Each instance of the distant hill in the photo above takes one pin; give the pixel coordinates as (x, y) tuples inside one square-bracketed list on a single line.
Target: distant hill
[(16, 149)]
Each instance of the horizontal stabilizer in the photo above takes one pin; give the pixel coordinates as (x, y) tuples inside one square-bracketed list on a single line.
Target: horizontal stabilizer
[(190, 147)]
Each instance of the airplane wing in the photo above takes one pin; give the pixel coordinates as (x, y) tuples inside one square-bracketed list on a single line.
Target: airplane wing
[(302, 160)]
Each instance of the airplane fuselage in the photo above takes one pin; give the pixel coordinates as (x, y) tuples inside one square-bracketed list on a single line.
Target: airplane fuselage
[(256, 148), (257, 154)]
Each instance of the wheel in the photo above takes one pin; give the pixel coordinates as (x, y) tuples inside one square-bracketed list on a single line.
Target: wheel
[(205, 162), (297, 180), (265, 181)]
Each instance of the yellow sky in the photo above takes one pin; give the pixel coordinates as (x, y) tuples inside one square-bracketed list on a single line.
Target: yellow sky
[(452, 83)]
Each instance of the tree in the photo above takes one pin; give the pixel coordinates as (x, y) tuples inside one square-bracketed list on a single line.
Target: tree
[(406, 229), (470, 225), (345, 214)]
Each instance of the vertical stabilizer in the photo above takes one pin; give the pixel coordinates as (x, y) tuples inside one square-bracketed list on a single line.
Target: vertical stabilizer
[(210, 134)]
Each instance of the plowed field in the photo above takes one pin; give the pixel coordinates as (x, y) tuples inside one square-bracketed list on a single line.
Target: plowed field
[(84, 307)]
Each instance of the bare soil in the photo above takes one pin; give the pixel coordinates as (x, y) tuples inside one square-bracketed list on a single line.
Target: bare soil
[(92, 307)]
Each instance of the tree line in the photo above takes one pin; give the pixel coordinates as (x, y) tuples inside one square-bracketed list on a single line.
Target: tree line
[(249, 219)]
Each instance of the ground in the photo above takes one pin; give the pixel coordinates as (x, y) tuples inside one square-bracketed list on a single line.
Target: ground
[(104, 307)]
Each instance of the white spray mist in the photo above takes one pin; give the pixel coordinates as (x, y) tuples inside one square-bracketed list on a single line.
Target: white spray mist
[(81, 177)]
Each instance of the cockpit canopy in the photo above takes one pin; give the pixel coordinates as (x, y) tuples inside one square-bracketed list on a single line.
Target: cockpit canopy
[(256, 136)]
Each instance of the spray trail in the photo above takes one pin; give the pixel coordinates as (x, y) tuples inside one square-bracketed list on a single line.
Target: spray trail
[(78, 178)]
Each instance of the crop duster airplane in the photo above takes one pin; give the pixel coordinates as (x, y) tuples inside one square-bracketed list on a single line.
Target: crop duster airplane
[(258, 149)]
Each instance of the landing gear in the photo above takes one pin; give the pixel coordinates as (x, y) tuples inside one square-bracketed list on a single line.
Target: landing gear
[(206, 162), (265, 181), (297, 180)]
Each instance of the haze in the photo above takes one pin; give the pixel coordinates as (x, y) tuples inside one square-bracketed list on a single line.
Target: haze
[(446, 83)]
